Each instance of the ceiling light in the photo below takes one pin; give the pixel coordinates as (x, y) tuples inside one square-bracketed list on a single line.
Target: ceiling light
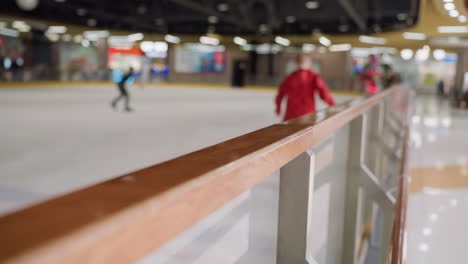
[(290, 19), (57, 29), (223, 7), (406, 54), (18, 24), (85, 43), (343, 28), (27, 5), (78, 38), (282, 41), (454, 13), (402, 16), (25, 28), (141, 9), (325, 41), (240, 41), (448, 1), (172, 39), (422, 54), (248, 47), (266, 48), (372, 40), (159, 21), (388, 50), (7, 63), (462, 19), (150, 46), (322, 49), (364, 52), (21, 26), (312, 4), (340, 47), (308, 47), (136, 37), (81, 11), (211, 30), (53, 37), (449, 6), (91, 22), (9, 32), (209, 40), (146, 46), (213, 19), (120, 41), (414, 35), (263, 28), (67, 37), (94, 35), (160, 46), (453, 29), (20, 61)]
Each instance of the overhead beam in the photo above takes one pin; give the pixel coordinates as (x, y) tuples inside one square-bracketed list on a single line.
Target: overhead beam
[(355, 16), (209, 11)]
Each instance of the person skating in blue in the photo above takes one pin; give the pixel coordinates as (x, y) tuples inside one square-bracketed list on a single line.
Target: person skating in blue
[(123, 91)]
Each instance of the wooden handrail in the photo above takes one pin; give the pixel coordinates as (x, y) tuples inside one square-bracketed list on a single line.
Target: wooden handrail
[(124, 219), (399, 225)]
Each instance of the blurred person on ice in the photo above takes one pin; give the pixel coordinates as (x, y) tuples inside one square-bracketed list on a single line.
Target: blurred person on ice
[(299, 89), (121, 81)]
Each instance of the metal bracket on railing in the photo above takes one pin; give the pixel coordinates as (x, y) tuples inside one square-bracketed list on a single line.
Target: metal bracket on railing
[(378, 191), (295, 210)]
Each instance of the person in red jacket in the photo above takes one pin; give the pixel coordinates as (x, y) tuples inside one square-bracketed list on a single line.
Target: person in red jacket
[(299, 88)]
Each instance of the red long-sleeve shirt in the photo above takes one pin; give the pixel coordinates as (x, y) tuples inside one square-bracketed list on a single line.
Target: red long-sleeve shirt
[(299, 88)]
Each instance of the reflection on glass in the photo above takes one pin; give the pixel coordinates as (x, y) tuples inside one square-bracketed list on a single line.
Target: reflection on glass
[(434, 217), (427, 231), (423, 247)]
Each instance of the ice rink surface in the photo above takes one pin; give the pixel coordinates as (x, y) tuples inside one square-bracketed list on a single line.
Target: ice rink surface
[(58, 139)]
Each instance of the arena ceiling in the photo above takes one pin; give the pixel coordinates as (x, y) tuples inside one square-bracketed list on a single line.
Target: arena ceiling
[(225, 17)]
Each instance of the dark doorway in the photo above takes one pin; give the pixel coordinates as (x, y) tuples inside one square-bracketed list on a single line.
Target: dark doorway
[(238, 73)]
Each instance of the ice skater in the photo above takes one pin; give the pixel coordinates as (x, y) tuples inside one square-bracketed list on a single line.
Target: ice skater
[(123, 91), (299, 88)]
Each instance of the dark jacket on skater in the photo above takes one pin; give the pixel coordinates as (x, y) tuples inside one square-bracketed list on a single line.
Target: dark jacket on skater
[(123, 91)]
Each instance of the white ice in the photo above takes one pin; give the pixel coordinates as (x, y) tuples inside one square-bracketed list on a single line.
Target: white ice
[(58, 139)]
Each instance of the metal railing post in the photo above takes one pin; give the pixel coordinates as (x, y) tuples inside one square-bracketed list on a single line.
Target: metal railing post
[(295, 209)]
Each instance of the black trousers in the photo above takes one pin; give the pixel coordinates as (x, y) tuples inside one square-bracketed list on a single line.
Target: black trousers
[(122, 89)]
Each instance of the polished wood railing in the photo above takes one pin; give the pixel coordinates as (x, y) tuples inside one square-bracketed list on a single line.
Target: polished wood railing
[(399, 226), (122, 220)]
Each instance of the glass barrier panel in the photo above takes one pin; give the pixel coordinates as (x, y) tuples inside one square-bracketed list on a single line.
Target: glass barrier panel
[(242, 231), (328, 206)]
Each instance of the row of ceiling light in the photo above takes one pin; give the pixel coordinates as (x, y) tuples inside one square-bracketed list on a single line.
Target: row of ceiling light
[(451, 8), (55, 33), (423, 54)]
